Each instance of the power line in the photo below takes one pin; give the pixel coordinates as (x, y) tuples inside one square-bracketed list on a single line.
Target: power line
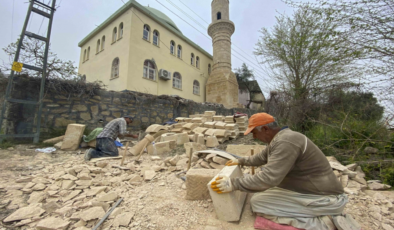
[(194, 12), (185, 14), (12, 20)]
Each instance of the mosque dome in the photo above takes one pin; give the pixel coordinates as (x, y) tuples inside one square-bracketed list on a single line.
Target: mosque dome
[(163, 17)]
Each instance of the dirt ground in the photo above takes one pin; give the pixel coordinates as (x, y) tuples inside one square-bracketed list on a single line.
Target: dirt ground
[(156, 204)]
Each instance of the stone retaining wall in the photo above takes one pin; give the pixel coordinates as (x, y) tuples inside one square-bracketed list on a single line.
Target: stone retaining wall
[(59, 109)]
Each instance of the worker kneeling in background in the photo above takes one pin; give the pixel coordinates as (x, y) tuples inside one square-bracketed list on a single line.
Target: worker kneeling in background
[(296, 186)]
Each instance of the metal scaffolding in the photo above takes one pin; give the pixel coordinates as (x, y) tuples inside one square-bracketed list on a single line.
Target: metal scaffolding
[(42, 9)]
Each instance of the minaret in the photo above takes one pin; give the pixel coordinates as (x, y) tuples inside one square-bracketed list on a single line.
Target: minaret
[(222, 85)]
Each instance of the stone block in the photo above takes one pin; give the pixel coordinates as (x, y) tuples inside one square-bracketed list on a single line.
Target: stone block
[(182, 138), (149, 175), (52, 223), (169, 137), (212, 142), (73, 136), (196, 147), (163, 147), (196, 181), (219, 160), (228, 206), (244, 150)]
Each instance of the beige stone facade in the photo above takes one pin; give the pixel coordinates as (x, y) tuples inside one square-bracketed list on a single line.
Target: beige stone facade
[(222, 85), (132, 46)]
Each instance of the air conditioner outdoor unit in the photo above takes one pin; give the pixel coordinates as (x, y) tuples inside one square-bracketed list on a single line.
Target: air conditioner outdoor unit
[(164, 74)]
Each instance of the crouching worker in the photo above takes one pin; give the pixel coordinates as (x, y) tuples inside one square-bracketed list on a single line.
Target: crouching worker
[(296, 186), (105, 141)]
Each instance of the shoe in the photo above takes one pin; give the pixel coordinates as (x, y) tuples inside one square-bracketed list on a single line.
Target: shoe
[(88, 154), (346, 222)]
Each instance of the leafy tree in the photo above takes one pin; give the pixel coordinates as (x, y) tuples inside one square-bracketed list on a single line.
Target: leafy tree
[(244, 75), (304, 54), (32, 53)]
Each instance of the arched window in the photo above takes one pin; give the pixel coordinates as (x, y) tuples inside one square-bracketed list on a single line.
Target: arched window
[(196, 87), (114, 35), (149, 70), (88, 53), (155, 38), (209, 69), (179, 51), (98, 46), (172, 47), (192, 59), (121, 30), (219, 16), (177, 81), (198, 62), (84, 55), (146, 32), (115, 68), (103, 43)]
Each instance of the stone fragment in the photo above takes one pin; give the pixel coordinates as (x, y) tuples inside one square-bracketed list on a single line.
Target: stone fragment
[(24, 179), (219, 160), (387, 227), (174, 160), (108, 197), (351, 167), (86, 183), (39, 187), (51, 207), (54, 140), (71, 195), (155, 158), (69, 177), (95, 190), (350, 173), (344, 180), (228, 206), (157, 168), (30, 211), (58, 145), (196, 181), (71, 172), (195, 146), (149, 175), (360, 180), (73, 136), (123, 219), (182, 162), (52, 223), (371, 150), (205, 164), (337, 166), (64, 210), (101, 164), (216, 166), (115, 213), (212, 142), (36, 197), (360, 172), (378, 186), (84, 176), (92, 213), (67, 184)]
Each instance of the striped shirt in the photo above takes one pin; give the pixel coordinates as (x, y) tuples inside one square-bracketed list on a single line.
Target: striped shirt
[(114, 128)]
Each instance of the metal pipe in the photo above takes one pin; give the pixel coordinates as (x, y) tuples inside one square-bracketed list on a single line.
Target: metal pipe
[(107, 214)]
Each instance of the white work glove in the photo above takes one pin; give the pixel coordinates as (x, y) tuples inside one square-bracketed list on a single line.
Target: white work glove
[(222, 184), (232, 162)]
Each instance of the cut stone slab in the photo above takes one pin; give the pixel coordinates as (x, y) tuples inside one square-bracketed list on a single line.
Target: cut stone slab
[(174, 160), (205, 164), (52, 223), (244, 150), (182, 138), (36, 197), (149, 175), (123, 219), (92, 213), (196, 147), (212, 142), (108, 197), (216, 166), (72, 137), (51, 207), (71, 195), (228, 206), (196, 181), (163, 147), (25, 213), (182, 162), (219, 160), (67, 184)]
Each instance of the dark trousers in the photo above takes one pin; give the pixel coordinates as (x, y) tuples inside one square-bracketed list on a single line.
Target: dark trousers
[(105, 147)]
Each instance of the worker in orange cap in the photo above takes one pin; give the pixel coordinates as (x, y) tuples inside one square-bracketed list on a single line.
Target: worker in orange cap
[(296, 186)]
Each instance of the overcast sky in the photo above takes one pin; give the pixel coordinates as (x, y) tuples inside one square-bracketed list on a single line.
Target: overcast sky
[(74, 19)]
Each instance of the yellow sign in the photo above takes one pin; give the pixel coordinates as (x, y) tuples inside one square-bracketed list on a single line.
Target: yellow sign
[(17, 66)]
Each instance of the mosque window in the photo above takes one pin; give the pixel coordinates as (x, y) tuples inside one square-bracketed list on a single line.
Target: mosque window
[(149, 70), (121, 30), (192, 59), (179, 51), (209, 69), (84, 55), (146, 32), (102, 43), (219, 16), (172, 47), (196, 87), (98, 46), (155, 38), (198, 62), (114, 34), (115, 68), (177, 81), (88, 53)]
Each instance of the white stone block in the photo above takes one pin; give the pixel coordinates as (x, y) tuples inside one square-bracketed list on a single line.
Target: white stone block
[(228, 206)]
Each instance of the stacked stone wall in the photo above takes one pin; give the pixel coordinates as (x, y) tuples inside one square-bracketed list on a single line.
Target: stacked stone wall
[(61, 109)]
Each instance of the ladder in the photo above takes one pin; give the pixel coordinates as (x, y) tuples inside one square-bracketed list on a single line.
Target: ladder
[(42, 9)]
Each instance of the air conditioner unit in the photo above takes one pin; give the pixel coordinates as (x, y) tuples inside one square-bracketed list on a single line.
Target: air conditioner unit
[(164, 74)]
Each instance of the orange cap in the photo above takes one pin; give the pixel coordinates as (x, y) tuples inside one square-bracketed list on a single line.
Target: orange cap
[(258, 119)]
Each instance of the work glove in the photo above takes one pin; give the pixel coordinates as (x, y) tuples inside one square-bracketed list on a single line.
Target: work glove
[(232, 162), (222, 184)]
